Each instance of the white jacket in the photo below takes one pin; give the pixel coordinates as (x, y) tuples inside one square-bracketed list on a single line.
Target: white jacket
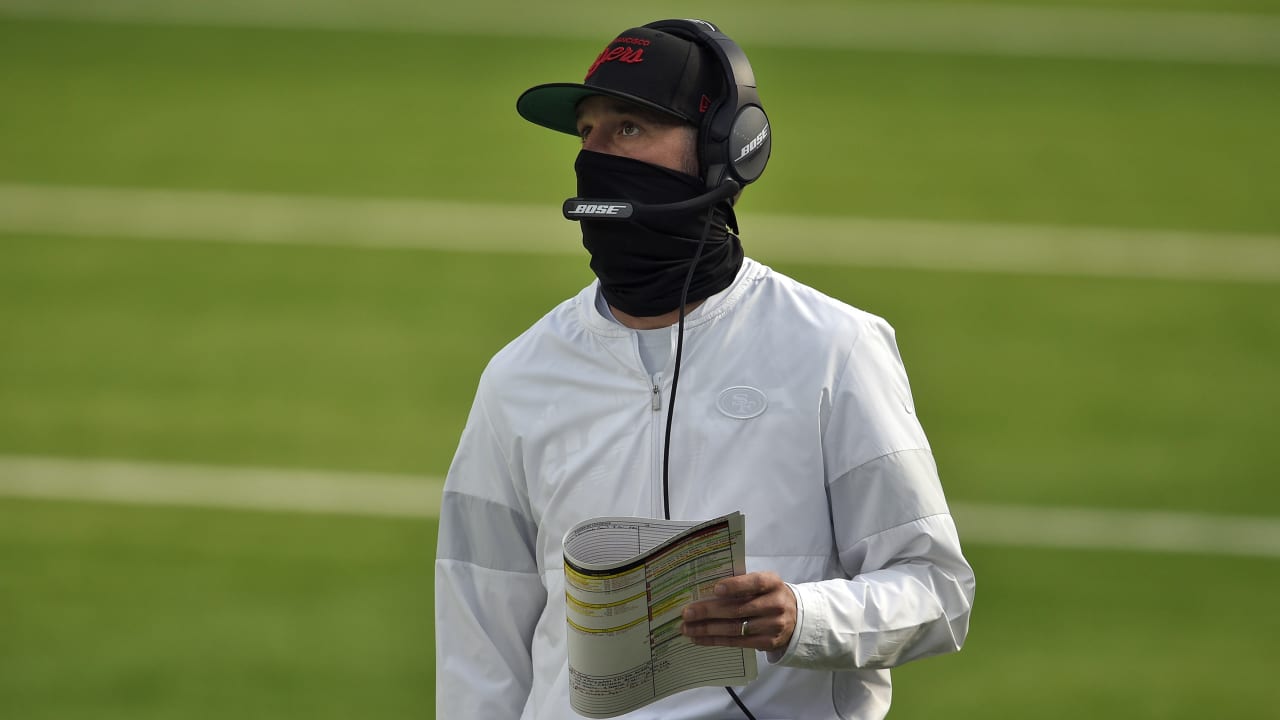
[(791, 407)]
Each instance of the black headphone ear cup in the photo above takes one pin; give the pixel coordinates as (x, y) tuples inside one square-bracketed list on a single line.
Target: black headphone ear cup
[(750, 142)]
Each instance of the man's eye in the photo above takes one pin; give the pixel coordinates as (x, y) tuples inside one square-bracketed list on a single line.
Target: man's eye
[(630, 129)]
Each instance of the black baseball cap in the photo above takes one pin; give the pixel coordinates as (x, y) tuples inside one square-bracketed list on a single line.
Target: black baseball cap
[(642, 65)]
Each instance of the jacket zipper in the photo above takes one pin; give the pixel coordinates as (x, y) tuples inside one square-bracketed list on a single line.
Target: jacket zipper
[(657, 433)]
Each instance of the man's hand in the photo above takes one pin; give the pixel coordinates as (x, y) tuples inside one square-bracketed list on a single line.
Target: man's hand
[(761, 600)]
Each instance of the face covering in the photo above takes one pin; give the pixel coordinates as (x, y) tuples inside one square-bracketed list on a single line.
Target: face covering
[(642, 263)]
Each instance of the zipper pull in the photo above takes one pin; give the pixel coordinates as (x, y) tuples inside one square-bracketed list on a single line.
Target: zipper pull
[(657, 398)]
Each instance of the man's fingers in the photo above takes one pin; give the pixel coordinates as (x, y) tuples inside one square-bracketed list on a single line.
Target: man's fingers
[(729, 609), (740, 597), (761, 633), (748, 585), (733, 628), (761, 599)]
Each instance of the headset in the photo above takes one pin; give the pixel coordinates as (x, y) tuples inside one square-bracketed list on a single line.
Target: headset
[(734, 139)]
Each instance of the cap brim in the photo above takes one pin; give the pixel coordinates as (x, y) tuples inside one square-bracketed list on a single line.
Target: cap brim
[(555, 105)]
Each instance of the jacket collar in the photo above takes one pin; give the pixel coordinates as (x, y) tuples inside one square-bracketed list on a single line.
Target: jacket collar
[(719, 304)]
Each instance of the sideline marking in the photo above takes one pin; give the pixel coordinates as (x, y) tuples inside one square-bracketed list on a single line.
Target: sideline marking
[(440, 225), (402, 496), (1080, 528), (211, 486), (931, 27)]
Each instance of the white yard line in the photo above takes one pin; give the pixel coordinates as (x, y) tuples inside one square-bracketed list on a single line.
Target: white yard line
[(439, 225), (1103, 529), (237, 488), (998, 29), (370, 494)]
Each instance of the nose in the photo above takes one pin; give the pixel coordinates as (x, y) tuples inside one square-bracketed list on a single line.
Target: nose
[(596, 142)]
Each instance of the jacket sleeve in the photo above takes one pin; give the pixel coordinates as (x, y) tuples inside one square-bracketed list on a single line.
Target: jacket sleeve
[(907, 589), (488, 592)]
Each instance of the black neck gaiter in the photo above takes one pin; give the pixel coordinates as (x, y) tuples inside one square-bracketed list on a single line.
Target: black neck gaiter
[(642, 263)]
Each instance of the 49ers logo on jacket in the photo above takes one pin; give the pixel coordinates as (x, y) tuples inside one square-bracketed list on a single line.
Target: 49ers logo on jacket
[(742, 402), (623, 49)]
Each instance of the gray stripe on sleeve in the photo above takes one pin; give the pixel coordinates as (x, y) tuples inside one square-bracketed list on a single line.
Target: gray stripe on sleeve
[(485, 533), (889, 491)]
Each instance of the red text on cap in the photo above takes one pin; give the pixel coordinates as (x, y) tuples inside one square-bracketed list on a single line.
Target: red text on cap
[(618, 53)]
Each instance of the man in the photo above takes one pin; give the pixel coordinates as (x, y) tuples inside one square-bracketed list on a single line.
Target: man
[(793, 408)]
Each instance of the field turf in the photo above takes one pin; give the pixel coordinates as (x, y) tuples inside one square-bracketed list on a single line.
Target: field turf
[(1044, 389)]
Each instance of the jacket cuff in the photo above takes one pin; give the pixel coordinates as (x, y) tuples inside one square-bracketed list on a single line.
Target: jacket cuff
[(781, 656)]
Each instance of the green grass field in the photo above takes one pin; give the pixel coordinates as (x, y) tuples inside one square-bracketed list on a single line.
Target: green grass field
[(1046, 389)]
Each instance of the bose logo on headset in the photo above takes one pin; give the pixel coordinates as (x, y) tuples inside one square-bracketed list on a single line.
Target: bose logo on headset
[(618, 210), (755, 144)]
